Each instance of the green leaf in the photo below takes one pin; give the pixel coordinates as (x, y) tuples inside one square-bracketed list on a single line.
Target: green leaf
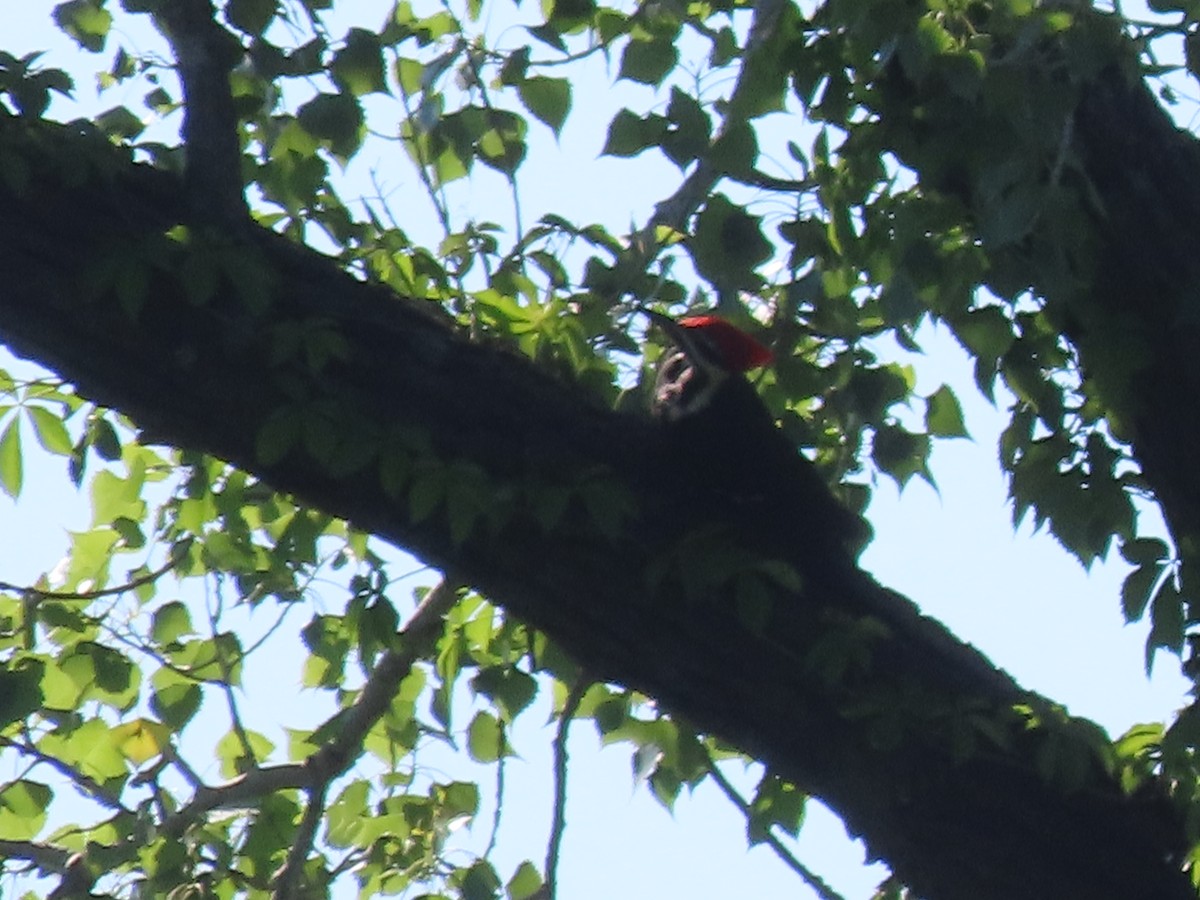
[(427, 491), (115, 498), (549, 99), (515, 67), (20, 689), (985, 332), (1139, 740), (943, 414), (776, 803), (103, 436), (1166, 622), (510, 690), (901, 454), (343, 821), (736, 151), (1138, 588), (336, 119), (729, 244), (121, 125), (171, 621), (23, 806), (358, 66), (919, 48), (175, 698), (502, 145), (217, 659), (87, 21), (630, 134), (1143, 551), (525, 883), (49, 430), (458, 798), (233, 756), (690, 129), (251, 16), (278, 435), (108, 675), (11, 462), (91, 552), (485, 738), (479, 882), (140, 740), (648, 61), (90, 748)]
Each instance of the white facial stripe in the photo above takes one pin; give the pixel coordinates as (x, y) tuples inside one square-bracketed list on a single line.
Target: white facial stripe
[(685, 386)]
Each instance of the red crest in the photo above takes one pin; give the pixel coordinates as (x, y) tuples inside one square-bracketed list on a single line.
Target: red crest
[(739, 351)]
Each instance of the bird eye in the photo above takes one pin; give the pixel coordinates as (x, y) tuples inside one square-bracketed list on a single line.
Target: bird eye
[(709, 351)]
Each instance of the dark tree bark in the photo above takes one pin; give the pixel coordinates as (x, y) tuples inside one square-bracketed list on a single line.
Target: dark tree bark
[(1148, 173), (845, 689)]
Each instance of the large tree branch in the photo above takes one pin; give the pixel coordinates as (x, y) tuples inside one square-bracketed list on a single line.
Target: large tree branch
[(842, 688)]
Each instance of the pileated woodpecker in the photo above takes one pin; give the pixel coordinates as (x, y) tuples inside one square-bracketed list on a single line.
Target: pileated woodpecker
[(719, 433)]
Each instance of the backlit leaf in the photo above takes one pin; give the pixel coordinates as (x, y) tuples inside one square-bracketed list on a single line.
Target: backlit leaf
[(12, 468), (549, 99)]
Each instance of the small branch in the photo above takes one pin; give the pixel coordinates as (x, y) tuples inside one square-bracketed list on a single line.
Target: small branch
[(132, 584), (675, 211), (85, 783), (171, 755), (227, 687), (240, 791), (811, 878), (44, 856), (206, 53), (499, 806), (417, 638), (759, 179), (559, 822), (314, 774), (78, 880), (287, 881)]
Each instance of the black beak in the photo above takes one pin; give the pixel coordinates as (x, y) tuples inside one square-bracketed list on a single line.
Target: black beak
[(670, 327)]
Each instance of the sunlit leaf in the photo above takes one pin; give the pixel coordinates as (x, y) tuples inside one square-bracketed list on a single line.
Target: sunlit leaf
[(140, 740)]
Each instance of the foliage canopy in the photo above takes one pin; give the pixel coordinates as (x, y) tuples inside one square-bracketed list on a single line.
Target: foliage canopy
[(255, 420)]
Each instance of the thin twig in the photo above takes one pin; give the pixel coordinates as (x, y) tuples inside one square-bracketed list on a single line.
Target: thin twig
[(85, 783), (811, 878), (226, 687), (558, 823), (491, 845), (675, 211), (40, 594)]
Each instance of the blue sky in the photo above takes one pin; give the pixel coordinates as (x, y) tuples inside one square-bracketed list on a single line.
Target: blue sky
[(1017, 597)]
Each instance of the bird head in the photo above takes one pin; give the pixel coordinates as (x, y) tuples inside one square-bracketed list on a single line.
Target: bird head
[(707, 351)]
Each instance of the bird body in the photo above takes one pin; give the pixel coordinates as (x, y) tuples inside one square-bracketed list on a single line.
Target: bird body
[(719, 433)]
